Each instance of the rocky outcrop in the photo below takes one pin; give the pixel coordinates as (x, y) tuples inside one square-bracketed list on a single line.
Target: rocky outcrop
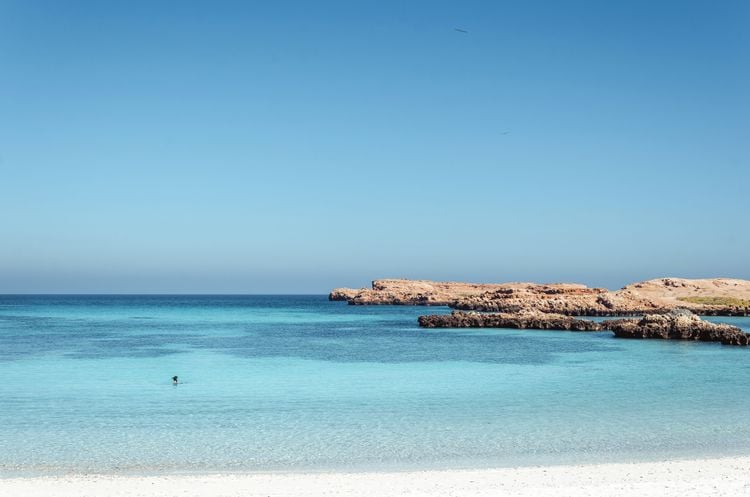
[(410, 292), (570, 300), (344, 294), (523, 320), (710, 297), (667, 306), (719, 296), (677, 325)]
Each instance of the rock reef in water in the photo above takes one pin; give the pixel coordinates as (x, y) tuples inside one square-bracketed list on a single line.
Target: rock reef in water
[(719, 296), (524, 320), (677, 325)]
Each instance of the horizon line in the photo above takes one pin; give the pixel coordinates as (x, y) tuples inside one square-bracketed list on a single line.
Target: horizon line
[(42, 294)]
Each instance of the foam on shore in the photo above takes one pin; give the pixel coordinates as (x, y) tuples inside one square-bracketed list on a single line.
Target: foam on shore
[(684, 478)]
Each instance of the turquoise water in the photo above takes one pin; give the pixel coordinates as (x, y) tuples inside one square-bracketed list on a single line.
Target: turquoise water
[(300, 383)]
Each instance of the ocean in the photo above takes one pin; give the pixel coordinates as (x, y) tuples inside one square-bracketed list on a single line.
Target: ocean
[(282, 383)]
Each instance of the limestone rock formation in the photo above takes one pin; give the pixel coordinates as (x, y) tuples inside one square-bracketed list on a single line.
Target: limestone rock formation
[(677, 325), (409, 292), (712, 296), (718, 296), (345, 294), (667, 306), (567, 299), (527, 319)]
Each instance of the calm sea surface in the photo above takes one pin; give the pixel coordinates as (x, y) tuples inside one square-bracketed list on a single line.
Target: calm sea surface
[(300, 383)]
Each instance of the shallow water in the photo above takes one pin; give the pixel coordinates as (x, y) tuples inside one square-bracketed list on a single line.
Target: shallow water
[(297, 382)]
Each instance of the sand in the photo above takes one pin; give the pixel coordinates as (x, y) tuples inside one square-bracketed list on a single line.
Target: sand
[(702, 477)]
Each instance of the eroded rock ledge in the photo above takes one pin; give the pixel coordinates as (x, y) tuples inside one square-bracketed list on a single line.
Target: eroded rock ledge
[(680, 324), (523, 320), (677, 325)]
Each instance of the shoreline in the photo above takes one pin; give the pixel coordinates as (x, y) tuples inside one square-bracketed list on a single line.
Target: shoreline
[(395, 467), (686, 477)]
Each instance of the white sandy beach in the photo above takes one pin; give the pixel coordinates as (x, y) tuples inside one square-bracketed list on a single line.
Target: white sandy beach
[(702, 477)]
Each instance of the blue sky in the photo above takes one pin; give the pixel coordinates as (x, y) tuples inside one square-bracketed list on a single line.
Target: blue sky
[(296, 146)]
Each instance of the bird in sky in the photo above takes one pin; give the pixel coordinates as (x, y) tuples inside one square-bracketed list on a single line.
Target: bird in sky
[(461, 30)]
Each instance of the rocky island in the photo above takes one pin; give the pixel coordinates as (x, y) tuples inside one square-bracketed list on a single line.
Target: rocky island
[(667, 308)]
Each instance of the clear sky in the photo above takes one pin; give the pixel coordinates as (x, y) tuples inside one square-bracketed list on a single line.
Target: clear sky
[(281, 147)]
